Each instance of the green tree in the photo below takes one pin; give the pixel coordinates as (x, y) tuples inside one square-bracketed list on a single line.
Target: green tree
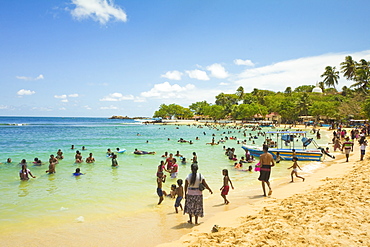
[(362, 76), (330, 76), (303, 104), (366, 108), (227, 101), (240, 93), (288, 90), (322, 86), (172, 110), (247, 111), (198, 108), (348, 68), (323, 108), (288, 110), (215, 112), (304, 88)]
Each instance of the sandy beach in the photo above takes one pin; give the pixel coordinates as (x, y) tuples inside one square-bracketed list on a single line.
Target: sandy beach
[(328, 209), (331, 208)]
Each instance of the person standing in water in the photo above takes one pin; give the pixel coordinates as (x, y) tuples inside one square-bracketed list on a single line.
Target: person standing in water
[(23, 174), (160, 180), (195, 158), (267, 161), (225, 187), (114, 160), (90, 159)]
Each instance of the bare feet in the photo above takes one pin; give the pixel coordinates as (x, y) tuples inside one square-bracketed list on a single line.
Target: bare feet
[(270, 192), (303, 179), (190, 222)]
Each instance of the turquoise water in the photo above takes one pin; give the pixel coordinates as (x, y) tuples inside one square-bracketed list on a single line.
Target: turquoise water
[(103, 190)]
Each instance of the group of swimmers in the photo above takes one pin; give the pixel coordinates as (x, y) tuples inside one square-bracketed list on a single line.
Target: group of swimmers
[(25, 173)]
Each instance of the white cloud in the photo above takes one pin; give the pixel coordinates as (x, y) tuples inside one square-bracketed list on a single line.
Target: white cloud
[(87, 107), (117, 97), (26, 78), (218, 71), (224, 84), (165, 90), (198, 74), (243, 62), (98, 10), (42, 108), (4, 107), (40, 77), (109, 107), (25, 92), (60, 96), (64, 98), (62, 109), (173, 75), (296, 72)]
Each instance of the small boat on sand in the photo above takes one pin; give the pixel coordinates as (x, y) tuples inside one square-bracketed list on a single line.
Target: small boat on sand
[(288, 139)]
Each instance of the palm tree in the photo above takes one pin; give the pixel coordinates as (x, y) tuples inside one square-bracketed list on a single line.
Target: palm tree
[(330, 76), (322, 86), (348, 68), (362, 76), (304, 103), (240, 93), (288, 90)]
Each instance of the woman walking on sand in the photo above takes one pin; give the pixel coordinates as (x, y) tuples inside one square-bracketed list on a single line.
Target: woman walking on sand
[(194, 196)]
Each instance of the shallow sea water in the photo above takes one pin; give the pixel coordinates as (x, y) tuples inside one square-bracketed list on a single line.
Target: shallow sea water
[(103, 191)]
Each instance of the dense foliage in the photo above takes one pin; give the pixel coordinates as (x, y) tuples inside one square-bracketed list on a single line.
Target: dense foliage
[(352, 102)]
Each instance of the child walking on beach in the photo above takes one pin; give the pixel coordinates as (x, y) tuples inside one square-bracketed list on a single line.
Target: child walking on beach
[(225, 187), (295, 167), (180, 195)]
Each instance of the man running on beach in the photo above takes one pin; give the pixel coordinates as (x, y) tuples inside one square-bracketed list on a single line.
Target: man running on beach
[(266, 161)]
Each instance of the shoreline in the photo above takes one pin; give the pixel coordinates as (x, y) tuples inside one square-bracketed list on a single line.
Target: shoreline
[(261, 222), (161, 225)]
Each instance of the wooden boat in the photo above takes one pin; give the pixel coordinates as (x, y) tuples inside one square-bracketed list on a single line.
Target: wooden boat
[(289, 139)]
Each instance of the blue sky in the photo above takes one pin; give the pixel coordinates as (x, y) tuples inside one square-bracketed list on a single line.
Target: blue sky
[(103, 58)]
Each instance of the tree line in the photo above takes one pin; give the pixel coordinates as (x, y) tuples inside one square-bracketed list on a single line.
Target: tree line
[(350, 102)]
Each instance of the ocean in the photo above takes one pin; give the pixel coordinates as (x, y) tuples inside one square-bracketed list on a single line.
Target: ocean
[(130, 189)]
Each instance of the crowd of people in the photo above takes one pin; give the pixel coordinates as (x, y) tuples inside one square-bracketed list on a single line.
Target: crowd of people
[(192, 189)]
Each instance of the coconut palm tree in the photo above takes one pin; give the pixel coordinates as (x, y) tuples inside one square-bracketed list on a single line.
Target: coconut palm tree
[(303, 103), (348, 68), (330, 76), (240, 93), (322, 86), (362, 76)]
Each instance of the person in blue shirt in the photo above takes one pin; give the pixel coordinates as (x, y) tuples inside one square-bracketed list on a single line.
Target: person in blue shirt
[(78, 172)]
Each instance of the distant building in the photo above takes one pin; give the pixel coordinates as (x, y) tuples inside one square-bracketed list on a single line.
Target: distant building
[(317, 89)]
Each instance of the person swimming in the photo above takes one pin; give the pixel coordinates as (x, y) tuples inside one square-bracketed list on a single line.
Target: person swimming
[(142, 152), (78, 172)]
